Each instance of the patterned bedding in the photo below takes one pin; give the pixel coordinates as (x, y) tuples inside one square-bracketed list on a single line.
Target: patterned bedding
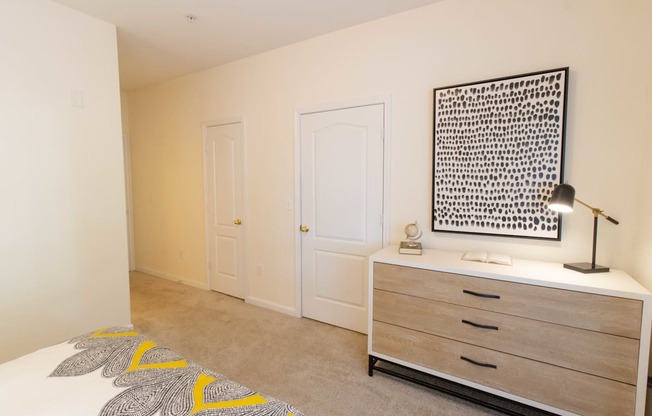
[(116, 372)]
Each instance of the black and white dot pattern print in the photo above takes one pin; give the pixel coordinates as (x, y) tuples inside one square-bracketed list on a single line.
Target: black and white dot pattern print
[(498, 154)]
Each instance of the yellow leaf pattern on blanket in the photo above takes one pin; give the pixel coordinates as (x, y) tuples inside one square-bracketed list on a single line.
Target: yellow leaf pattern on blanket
[(142, 349), (156, 381), (101, 333), (200, 404)]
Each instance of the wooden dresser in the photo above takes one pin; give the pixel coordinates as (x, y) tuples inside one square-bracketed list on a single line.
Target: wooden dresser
[(533, 332)]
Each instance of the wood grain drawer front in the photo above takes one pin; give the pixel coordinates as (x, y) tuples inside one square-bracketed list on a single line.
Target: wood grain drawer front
[(591, 352), (608, 314), (555, 386)]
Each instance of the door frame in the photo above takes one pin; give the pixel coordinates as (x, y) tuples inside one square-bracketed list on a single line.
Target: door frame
[(243, 156), (361, 102), (126, 146)]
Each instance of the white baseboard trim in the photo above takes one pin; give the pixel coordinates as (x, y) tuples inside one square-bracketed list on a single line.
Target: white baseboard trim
[(273, 306), (172, 278)]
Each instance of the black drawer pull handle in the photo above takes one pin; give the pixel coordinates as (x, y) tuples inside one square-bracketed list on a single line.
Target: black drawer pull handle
[(495, 328), (477, 363), (481, 295)]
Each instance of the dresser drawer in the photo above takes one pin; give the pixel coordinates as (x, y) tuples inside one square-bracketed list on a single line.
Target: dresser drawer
[(591, 352), (608, 314), (555, 386)]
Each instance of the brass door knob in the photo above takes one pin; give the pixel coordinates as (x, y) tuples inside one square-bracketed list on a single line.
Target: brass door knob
[(304, 229), (237, 221)]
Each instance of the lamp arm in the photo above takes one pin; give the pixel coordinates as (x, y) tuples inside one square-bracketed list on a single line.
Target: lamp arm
[(598, 211)]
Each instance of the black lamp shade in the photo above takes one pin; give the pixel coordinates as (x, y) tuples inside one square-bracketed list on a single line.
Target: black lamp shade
[(562, 198)]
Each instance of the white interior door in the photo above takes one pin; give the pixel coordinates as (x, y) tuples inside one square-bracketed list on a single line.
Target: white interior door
[(224, 208), (341, 211)]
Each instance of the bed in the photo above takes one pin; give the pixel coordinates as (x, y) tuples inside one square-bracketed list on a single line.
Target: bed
[(117, 371)]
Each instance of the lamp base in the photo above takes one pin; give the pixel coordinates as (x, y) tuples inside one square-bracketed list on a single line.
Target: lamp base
[(586, 268)]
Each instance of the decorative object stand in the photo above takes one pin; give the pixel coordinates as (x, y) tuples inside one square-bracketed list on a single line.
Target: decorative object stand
[(535, 333)]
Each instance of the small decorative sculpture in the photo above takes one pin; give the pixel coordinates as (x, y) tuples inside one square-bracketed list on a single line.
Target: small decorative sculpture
[(412, 233)]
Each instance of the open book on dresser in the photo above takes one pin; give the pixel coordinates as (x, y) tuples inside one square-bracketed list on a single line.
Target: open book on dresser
[(484, 257)]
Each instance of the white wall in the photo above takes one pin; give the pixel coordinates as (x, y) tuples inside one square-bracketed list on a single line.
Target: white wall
[(63, 252), (406, 56)]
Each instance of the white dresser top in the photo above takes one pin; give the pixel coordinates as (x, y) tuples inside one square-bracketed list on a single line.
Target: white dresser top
[(613, 283)]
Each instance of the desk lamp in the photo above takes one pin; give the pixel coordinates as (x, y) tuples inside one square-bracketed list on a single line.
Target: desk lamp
[(562, 201)]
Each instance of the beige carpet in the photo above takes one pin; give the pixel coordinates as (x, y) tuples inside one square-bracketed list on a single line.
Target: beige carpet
[(318, 368)]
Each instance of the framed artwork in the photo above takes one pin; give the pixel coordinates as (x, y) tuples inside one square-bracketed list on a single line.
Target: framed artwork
[(498, 153)]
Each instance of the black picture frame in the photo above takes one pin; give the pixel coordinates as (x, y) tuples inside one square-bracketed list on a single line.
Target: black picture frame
[(498, 153)]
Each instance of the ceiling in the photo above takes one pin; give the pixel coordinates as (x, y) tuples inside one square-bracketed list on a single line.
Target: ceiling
[(157, 40)]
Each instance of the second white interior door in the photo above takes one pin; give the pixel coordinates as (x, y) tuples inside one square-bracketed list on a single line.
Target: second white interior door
[(341, 211), (224, 208)]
